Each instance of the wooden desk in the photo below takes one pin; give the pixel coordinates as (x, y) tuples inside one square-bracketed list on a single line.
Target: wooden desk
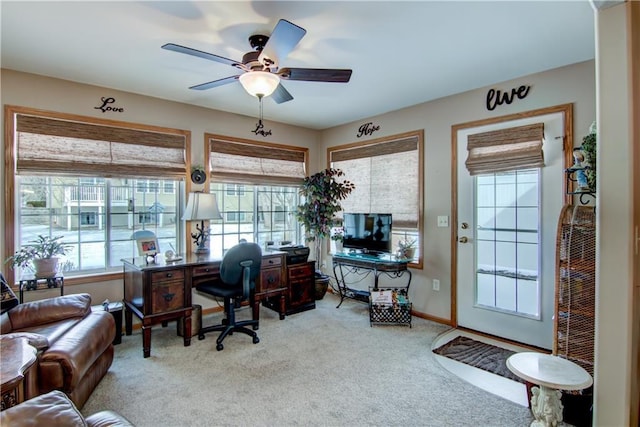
[(17, 371), (161, 291)]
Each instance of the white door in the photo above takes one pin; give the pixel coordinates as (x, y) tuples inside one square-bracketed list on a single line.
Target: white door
[(506, 241)]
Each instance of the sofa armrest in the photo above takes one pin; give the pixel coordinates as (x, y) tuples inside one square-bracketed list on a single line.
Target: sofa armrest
[(49, 310), (51, 409), (68, 359), (108, 419)]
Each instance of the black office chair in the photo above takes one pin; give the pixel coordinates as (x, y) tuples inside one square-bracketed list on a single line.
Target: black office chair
[(238, 271)]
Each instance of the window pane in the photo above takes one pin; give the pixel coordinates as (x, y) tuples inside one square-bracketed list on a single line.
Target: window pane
[(96, 216), (507, 241), (257, 213)]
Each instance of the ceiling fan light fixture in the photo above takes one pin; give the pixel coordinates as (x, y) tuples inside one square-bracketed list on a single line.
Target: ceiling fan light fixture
[(259, 83)]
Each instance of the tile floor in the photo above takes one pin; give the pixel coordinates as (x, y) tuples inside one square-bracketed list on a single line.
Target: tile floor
[(506, 388)]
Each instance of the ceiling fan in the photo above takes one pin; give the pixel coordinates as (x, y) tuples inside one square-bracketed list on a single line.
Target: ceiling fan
[(261, 73)]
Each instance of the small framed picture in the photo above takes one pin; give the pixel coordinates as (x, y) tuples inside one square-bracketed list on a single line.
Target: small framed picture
[(148, 246)]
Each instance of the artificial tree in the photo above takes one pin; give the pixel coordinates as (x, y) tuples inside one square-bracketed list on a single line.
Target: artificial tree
[(322, 193)]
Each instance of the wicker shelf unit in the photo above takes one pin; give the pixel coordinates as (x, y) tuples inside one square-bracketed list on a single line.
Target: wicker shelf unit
[(574, 324)]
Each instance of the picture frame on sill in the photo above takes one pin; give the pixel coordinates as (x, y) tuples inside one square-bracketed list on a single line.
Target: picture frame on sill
[(148, 246)]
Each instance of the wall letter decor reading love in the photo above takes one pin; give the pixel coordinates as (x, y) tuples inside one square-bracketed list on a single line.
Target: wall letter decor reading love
[(106, 107)]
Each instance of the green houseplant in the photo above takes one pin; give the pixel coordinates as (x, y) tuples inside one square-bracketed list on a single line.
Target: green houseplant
[(322, 194), (40, 255), (407, 247)]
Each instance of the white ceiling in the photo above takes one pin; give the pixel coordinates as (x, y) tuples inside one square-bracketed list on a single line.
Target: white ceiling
[(401, 53)]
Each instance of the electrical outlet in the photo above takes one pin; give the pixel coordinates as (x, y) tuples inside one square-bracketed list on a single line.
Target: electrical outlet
[(436, 284), (443, 221)]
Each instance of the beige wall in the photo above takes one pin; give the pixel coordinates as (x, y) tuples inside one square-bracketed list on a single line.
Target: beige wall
[(614, 264), (33, 91), (573, 84)]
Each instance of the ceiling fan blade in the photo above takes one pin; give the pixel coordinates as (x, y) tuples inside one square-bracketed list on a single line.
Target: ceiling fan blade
[(215, 83), (201, 54), (281, 95), (283, 39), (315, 75)]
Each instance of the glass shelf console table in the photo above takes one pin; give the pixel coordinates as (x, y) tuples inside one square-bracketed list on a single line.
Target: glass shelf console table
[(349, 267)]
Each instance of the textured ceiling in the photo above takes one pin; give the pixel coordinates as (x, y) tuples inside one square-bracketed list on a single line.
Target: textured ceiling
[(401, 53)]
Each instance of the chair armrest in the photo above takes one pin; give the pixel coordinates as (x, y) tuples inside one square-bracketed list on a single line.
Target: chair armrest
[(49, 310)]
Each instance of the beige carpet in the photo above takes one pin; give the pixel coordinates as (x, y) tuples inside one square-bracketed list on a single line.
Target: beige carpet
[(323, 367)]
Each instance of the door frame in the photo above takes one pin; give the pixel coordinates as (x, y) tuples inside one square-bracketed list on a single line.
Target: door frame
[(567, 114)]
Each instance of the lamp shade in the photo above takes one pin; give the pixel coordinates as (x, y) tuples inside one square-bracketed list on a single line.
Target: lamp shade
[(259, 83), (201, 206)]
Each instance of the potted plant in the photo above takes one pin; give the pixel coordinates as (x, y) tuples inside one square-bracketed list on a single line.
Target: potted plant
[(40, 255), (322, 194), (407, 248)]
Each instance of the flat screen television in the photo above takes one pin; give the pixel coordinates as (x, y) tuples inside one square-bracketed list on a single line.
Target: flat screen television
[(368, 232)]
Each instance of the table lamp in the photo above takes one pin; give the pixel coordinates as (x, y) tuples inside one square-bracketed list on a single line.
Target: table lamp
[(200, 207)]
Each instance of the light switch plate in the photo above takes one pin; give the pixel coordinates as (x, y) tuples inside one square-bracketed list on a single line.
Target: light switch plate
[(443, 221)]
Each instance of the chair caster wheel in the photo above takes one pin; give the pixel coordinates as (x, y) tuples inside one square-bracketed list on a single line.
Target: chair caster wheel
[(256, 327), (200, 337), (219, 347), (256, 340)]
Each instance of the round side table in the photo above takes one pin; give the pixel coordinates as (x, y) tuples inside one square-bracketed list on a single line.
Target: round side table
[(17, 371), (551, 374)]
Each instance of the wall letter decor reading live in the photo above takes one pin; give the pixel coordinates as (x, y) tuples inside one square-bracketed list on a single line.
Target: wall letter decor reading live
[(106, 107), (495, 97), (259, 130), (367, 129)]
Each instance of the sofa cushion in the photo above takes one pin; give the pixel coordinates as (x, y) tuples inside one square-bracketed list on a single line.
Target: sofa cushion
[(53, 331)]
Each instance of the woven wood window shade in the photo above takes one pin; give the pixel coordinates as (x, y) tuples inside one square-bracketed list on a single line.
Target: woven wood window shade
[(505, 149), (60, 146), (251, 162), (386, 177)]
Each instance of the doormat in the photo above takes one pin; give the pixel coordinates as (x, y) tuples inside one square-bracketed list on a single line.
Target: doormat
[(479, 355)]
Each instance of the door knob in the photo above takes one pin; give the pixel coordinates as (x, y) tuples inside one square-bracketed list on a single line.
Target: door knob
[(463, 239)]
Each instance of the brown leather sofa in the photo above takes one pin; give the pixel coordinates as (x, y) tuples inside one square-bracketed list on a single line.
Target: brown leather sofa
[(55, 409), (74, 343)]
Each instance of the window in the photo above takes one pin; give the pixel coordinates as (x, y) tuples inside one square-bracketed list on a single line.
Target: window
[(256, 185), (387, 174), (94, 182), (508, 236), (235, 189)]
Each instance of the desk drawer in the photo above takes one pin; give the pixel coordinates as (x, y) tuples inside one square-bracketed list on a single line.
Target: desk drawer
[(271, 261), (302, 271), (270, 278), (205, 270), (168, 275), (167, 296)]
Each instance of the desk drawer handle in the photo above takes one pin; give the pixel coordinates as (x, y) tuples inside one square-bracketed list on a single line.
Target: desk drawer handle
[(271, 280), (169, 274), (270, 261), (168, 297)]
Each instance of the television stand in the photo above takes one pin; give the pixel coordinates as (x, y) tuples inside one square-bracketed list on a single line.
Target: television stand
[(359, 265)]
